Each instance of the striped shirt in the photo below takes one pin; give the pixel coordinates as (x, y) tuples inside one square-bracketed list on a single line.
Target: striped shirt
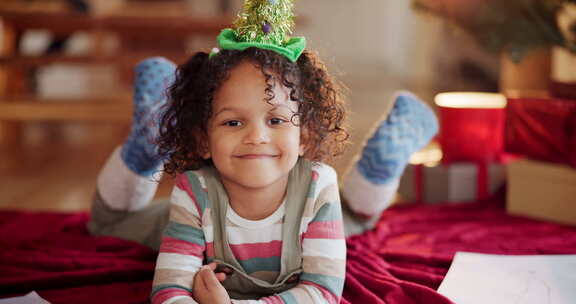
[(257, 245)]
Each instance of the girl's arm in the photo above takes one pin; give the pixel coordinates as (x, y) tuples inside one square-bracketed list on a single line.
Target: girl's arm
[(182, 249), (323, 246), (324, 255)]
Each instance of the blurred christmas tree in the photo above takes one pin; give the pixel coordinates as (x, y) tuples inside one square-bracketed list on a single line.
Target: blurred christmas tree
[(515, 26)]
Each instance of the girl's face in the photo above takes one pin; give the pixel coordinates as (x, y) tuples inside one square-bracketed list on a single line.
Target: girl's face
[(252, 142)]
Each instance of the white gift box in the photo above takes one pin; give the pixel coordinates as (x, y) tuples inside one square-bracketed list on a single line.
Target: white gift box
[(454, 182)]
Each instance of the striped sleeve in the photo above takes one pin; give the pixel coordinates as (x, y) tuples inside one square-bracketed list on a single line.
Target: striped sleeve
[(323, 246), (323, 243), (183, 243)]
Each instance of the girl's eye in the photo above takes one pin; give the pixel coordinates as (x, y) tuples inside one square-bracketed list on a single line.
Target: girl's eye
[(233, 123), (277, 121)]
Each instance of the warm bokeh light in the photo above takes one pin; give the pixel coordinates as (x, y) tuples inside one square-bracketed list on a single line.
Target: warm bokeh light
[(478, 100)]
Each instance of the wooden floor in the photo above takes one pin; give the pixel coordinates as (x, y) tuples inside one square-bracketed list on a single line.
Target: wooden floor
[(56, 168)]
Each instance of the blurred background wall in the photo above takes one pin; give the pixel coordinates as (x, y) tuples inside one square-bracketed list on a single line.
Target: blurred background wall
[(368, 37), (374, 47)]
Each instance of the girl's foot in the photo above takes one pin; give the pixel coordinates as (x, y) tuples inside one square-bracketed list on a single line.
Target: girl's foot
[(372, 183), (139, 151), (409, 127)]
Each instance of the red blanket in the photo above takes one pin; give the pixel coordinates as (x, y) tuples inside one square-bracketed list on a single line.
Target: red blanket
[(402, 261)]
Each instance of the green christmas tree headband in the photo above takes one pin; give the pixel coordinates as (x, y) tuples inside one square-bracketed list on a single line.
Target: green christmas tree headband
[(264, 24)]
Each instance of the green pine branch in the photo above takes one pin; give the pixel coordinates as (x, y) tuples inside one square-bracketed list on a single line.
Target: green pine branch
[(513, 25)]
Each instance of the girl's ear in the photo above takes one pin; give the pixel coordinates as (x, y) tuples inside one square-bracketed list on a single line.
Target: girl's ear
[(206, 155), (205, 150)]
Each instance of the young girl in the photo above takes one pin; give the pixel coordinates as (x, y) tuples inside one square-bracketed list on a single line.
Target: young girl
[(254, 214), (252, 126)]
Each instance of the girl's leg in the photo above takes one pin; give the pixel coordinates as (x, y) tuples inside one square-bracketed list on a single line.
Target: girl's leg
[(129, 179), (370, 185)]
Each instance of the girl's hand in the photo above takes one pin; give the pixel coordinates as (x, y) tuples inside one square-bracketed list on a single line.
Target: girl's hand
[(207, 288)]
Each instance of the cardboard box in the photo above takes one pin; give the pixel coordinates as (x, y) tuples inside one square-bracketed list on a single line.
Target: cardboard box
[(542, 190), (454, 182)]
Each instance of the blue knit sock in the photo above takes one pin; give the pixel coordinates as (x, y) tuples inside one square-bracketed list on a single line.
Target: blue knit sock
[(409, 127), (153, 77)]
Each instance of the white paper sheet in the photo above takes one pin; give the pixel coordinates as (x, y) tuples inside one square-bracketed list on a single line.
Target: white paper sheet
[(31, 298), (504, 279)]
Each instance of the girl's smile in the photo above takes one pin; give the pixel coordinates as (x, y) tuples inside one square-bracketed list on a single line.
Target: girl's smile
[(256, 156)]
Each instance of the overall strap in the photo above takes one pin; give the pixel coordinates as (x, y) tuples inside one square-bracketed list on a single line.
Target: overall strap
[(297, 192), (219, 204)]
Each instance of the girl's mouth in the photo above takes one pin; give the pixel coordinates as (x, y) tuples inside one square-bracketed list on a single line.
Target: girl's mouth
[(255, 156)]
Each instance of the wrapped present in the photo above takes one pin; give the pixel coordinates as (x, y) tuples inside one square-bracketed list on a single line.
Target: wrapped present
[(451, 182), (542, 190), (542, 129)]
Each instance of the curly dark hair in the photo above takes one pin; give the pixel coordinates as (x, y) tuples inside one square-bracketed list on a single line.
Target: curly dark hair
[(183, 126)]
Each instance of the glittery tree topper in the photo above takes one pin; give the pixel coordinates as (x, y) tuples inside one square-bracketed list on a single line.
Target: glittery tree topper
[(265, 21), (264, 24)]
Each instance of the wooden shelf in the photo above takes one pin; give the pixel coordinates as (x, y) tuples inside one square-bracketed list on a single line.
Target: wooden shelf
[(95, 110), (68, 23), (139, 37), (124, 59)]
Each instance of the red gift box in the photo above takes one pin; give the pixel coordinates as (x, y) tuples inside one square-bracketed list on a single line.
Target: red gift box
[(471, 126), (471, 134), (542, 129)]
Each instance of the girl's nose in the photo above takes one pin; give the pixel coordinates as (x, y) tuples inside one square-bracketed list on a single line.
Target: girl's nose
[(257, 134)]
